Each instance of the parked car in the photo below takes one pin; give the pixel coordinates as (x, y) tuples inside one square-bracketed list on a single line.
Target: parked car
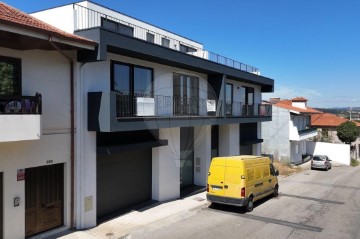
[(321, 161)]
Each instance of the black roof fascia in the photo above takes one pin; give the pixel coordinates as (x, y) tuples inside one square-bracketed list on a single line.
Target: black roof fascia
[(136, 48)]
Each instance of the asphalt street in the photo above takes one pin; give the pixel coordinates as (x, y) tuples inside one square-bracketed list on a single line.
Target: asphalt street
[(312, 204)]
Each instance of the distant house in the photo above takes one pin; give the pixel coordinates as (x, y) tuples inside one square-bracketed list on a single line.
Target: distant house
[(327, 124), (285, 136)]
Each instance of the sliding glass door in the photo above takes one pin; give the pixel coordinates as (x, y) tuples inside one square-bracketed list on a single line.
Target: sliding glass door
[(186, 95)]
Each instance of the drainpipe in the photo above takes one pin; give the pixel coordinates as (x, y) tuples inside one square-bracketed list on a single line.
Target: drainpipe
[(72, 129)]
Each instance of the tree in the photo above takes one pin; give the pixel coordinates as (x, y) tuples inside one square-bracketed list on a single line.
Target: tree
[(348, 132)]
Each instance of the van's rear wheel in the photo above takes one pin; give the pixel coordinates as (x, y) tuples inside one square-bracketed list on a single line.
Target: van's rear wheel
[(276, 191), (250, 204)]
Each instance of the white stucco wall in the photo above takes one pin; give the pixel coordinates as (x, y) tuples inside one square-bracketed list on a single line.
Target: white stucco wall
[(46, 72), (301, 105), (229, 140), (202, 154), (29, 154), (296, 151), (275, 134), (20, 127), (85, 165), (166, 166), (257, 147), (60, 17), (339, 153)]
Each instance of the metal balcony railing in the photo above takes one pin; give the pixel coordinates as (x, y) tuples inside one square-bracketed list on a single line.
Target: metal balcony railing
[(240, 109), (128, 105), (11, 104), (86, 18)]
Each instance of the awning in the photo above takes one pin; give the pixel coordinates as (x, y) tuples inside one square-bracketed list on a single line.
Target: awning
[(251, 141)]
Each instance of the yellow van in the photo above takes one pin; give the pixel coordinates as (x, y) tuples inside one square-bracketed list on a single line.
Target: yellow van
[(241, 180)]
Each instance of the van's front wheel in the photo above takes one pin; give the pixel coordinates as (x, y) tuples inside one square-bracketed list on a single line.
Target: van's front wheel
[(250, 204)]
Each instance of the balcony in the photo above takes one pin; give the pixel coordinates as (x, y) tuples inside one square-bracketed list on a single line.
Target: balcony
[(86, 18), (115, 111), (20, 118), (298, 135)]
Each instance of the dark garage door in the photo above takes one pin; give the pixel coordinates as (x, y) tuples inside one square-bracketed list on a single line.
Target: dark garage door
[(123, 180)]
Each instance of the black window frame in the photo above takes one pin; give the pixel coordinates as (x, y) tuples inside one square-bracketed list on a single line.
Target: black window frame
[(150, 37), (117, 27), (248, 109), (17, 73), (272, 170), (192, 100), (186, 49), (131, 76), (229, 112), (163, 40)]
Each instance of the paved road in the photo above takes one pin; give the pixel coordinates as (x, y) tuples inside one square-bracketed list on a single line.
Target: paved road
[(312, 204)]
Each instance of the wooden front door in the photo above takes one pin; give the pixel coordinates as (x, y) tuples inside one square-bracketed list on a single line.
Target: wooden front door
[(44, 198), (1, 206)]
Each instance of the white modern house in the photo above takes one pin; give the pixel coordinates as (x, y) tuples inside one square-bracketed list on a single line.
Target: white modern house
[(150, 110), (286, 135), (35, 124)]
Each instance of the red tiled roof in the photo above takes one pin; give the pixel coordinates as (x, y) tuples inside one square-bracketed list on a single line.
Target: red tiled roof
[(328, 120), (287, 104), (299, 99), (15, 17)]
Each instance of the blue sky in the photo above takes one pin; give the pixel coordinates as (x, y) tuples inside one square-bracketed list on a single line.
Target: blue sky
[(310, 48)]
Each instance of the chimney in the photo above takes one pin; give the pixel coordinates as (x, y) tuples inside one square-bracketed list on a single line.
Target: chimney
[(274, 100)]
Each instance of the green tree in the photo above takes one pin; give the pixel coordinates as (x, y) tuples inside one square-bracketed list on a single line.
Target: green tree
[(7, 82), (348, 132)]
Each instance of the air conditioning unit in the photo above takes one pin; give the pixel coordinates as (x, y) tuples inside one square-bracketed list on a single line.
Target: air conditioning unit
[(145, 106)]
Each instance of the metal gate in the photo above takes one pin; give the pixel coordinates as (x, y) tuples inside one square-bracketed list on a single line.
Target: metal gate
[(44, 198), (1, 206)]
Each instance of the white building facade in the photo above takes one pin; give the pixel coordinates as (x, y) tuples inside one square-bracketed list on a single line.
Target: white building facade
[(35, 125), (152, 109), (286, 135)]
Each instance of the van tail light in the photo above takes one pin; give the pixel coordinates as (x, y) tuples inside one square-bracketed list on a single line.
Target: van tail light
[(207, 188), (243, 192)]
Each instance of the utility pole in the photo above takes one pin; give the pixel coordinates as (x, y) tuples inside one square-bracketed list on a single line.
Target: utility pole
[(350, 113)]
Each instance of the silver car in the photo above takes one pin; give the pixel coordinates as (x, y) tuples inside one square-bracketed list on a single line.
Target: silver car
[(321, 161)]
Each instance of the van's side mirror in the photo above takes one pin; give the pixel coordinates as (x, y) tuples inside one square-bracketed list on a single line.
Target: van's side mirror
[(276, 172)]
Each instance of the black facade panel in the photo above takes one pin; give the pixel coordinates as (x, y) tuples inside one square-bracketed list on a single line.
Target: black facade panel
[(136, 48)]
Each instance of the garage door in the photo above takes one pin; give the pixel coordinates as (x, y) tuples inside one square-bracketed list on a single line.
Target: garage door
[(123, 180)]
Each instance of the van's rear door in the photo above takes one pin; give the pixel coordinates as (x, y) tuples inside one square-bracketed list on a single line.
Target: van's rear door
[(233, 183), (216, 176)]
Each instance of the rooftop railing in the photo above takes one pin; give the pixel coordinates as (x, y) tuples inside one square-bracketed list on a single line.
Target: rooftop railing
[(86, 18)]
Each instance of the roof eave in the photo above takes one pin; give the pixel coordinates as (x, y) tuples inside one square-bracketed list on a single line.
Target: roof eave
[(45, 35)]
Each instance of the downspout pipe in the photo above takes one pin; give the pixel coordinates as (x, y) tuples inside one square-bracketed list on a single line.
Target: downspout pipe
[(72, 130)]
